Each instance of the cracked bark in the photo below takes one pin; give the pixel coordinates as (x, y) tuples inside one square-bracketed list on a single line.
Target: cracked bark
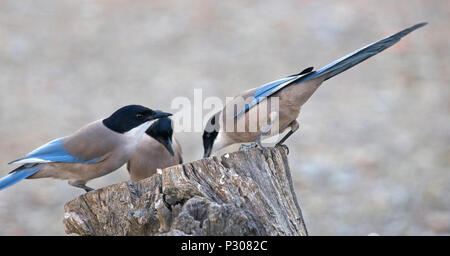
[(241, 193)]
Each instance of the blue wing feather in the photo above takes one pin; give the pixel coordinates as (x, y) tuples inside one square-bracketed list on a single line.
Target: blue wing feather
[(17, 176), (52, 152), (331, 69), (269, 86), (350, 60), (266, 90)]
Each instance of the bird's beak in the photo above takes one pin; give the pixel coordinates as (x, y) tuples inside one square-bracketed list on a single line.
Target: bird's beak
[(158, 114), (168, 145)]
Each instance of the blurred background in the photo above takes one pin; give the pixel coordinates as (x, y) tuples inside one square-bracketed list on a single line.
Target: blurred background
[(372, 154)]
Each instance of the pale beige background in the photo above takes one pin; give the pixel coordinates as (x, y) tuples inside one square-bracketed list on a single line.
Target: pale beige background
[(373, 151)]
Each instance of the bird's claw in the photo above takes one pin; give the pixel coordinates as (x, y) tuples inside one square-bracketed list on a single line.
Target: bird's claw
[(248, 146), (265, 151), (255, 145), (284, 146)]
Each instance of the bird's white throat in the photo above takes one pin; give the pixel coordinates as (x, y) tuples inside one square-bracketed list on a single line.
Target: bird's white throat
[(220, 142), (138, 131)]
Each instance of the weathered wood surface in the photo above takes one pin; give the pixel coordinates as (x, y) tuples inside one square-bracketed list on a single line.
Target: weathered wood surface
[(241, 193)]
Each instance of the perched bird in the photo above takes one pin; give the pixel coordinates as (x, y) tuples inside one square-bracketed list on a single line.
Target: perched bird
[(290, 93), (157, 149), (93, 151)]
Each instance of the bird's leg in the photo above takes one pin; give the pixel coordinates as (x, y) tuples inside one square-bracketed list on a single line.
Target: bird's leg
[(258, 143), (258, 140), (86, 188), (255, 144), (294, 127), (81, 185)]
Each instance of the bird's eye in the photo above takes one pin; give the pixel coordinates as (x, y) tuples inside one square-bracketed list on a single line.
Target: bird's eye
[(139, 116)]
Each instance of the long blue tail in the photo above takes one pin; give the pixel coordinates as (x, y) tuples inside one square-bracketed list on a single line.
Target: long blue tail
[(17, 176), (360, 55)]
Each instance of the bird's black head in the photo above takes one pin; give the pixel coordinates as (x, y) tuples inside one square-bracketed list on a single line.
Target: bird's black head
[(162, 131), (131, 116), (209, 135)]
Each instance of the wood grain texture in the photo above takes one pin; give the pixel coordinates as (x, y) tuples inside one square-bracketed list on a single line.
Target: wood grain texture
[(241, 193)]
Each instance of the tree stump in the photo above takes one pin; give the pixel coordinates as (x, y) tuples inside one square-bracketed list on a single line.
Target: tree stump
[(241, 193)]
